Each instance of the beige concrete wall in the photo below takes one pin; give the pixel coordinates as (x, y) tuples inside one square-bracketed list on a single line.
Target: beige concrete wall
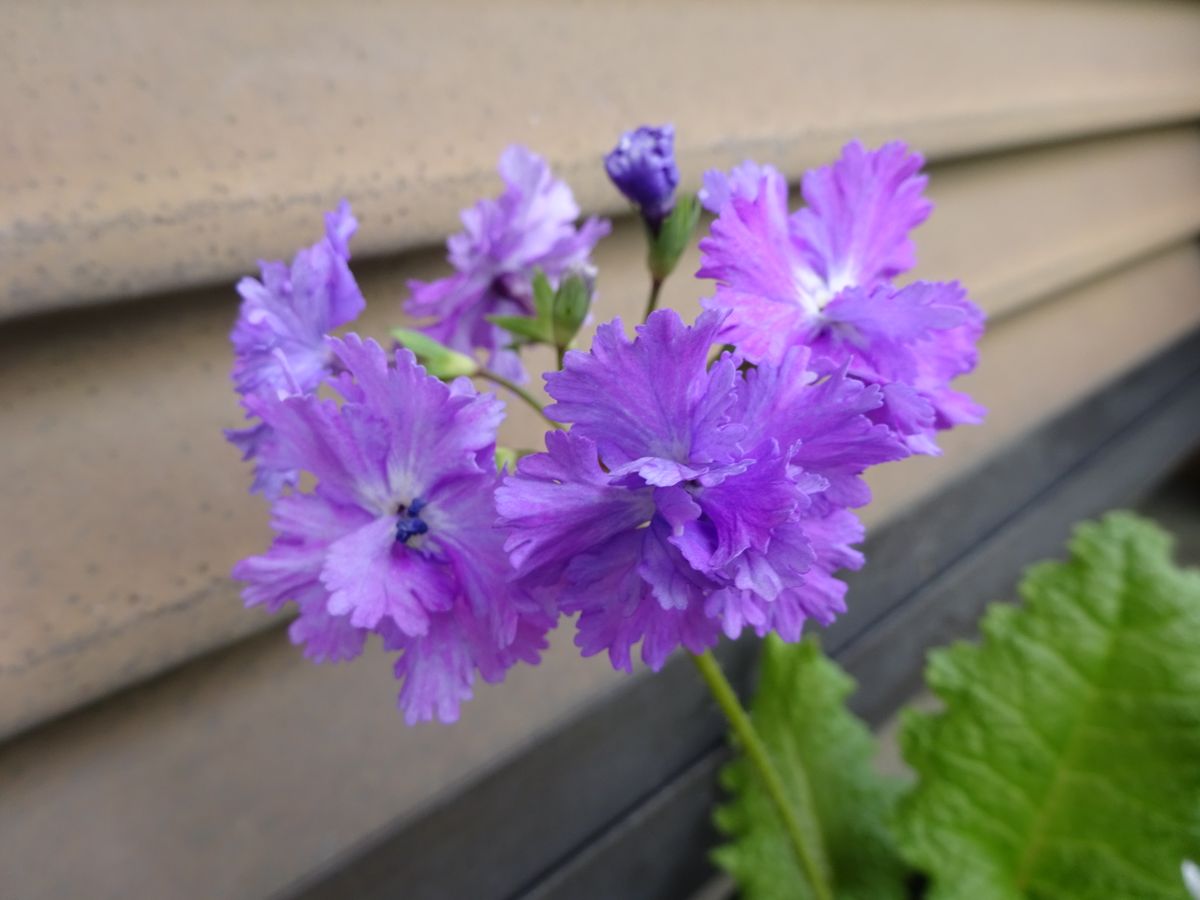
[(169, 143), (154, 150)]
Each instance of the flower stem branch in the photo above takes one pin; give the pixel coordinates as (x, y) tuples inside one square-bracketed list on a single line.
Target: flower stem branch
[(520, 392), (756, 752), (652, 302)]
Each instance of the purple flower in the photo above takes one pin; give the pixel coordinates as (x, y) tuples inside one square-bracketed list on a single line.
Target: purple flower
[(642, 166), (741, 181), (687, 499), (279, 337), (528, 227), (822, 277), (398, 535)]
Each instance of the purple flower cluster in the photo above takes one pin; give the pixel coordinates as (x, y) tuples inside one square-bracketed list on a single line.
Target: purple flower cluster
[(397, 537), (695, 493), (690, 499), (279, 337), (503, 243), (823, 277)]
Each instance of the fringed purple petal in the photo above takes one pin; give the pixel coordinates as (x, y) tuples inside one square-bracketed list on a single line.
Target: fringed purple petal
[(530, 226)]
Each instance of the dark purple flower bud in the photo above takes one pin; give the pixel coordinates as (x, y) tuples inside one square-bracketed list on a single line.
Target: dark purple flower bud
[(642, 166)]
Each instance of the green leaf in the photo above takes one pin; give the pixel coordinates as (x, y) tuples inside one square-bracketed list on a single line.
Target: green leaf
[(822, 750), (438, 359), (674, 235), (1066, 764)]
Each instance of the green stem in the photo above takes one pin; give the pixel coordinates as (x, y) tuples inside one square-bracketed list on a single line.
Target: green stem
[(520, 392), (652, 302), (756, 752)]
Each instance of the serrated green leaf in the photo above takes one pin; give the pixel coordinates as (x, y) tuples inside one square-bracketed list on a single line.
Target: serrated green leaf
[(819, 748), (1066, 764), (438, 359)]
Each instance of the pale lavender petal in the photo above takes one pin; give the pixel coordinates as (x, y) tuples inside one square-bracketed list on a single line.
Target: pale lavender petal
[(855, 229), (252, 442), (279, 336), (673, 582), (312, 435), (326, 638), (436, 672), (762, 329), (823, 421), (750, 247), (921, 336), (882, 330), (611, 598), (742, 181), (435, 432), (618, 608), (561, 503), (370, 575), (305, 525), (820, 596), (676, 506), (340, 226), (504, 241), (649, 397), (910, 415), (745, 509)]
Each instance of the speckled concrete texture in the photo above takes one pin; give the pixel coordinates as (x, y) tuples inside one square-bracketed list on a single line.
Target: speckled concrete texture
[(149, 146)]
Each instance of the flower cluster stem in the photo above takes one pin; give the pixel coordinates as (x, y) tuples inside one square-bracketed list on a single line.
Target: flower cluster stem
[(652, 302), (520, 392), (756, 752)]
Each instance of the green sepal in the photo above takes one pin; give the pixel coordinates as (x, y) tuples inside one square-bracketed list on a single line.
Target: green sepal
[(525, 329), (507, 458), (673, 237), (535, 329), (558, 314), (571, 304), (543, 297), (438, 359)]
